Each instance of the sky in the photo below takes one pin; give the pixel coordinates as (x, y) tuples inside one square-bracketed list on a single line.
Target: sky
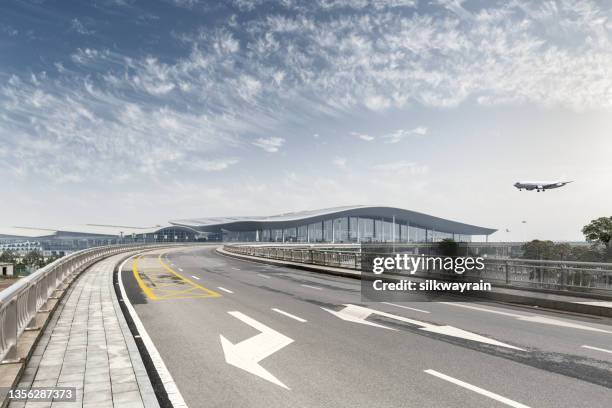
[(134, 113)]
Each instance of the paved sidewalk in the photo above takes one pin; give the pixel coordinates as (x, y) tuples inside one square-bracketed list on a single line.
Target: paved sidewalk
[(88, 345)]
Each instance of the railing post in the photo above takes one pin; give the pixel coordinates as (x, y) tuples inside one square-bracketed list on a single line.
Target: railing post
[(10, 331), (507, 276)]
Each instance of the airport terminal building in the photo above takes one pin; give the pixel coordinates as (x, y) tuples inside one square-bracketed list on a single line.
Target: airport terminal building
[(350, 224)]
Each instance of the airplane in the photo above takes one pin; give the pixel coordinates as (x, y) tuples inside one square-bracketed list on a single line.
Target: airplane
[(539, 185)]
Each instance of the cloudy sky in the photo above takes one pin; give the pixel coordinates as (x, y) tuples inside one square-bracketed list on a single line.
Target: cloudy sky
[(135, 112)]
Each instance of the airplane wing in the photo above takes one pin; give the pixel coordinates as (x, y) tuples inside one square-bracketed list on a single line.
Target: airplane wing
[(555, 185)]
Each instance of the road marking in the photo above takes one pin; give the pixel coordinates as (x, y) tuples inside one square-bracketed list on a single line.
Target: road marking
[(236, 269), (248, 353), (562, 323), (223, 289), (476, 389), (597, 348), (311, 287), (294, 317), (533, 318), (405, 307), (180, 269), (359, 314), (212, 293), (596, 303), (482, 309), (261, 275), (147, 291), (174, 395), (195, 277)]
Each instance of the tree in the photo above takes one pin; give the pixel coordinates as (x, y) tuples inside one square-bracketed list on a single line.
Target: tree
[(585, 254), (537, 249), (548, 250), (33, 258), (599, 230), (448, 247), (7, 256)]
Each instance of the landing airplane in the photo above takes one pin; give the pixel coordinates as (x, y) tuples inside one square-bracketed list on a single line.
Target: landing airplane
[(539, 185)]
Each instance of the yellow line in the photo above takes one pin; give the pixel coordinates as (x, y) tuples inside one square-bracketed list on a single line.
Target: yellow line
[(185, 297), (144, 287), (177, 291), (212, 293)]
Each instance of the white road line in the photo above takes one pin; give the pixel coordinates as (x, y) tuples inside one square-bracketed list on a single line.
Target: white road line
[(225, 290), (174, 395), (482, 309), (535, 318), (597, 348), (261, 275), (596, 303), (195, 277), (311, 287), (478, 390), (294, 317), (180, 269), (236, 269), (405, 307)]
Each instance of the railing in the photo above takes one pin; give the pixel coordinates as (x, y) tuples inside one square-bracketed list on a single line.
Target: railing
[(20, 302), (591, 277)]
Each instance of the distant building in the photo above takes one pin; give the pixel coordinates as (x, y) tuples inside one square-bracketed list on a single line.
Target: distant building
[(352, 224), (6, 269), (20, 248)]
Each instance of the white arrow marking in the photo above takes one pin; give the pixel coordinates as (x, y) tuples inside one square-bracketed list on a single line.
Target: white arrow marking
[(355, 314), (248, 353), (358, 314)]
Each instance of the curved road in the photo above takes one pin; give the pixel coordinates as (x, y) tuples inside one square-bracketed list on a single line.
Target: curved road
[(234, 333)]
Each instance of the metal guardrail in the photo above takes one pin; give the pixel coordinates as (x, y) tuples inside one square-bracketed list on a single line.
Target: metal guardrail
[(579, 277), (20, 302)]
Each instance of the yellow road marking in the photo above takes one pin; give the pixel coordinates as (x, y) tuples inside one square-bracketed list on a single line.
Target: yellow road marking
[(211, 293), (142, 285)]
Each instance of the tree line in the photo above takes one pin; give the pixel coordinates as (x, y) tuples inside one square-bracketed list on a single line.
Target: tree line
[(33, 259), (598, 233)]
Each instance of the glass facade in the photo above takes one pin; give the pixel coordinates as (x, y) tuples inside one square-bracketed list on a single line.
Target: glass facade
[(347, 230)]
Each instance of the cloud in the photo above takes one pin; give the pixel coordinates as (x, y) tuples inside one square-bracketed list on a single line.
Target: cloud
[(79, 27), (363, 136), (401, 134), (215, 165), (229, 85), (270, 144)]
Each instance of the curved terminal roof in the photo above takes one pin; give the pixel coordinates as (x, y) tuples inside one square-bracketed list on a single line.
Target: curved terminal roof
[(292, 219)]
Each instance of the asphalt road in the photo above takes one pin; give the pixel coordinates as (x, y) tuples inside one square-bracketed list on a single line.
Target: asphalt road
[(286, 348)]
